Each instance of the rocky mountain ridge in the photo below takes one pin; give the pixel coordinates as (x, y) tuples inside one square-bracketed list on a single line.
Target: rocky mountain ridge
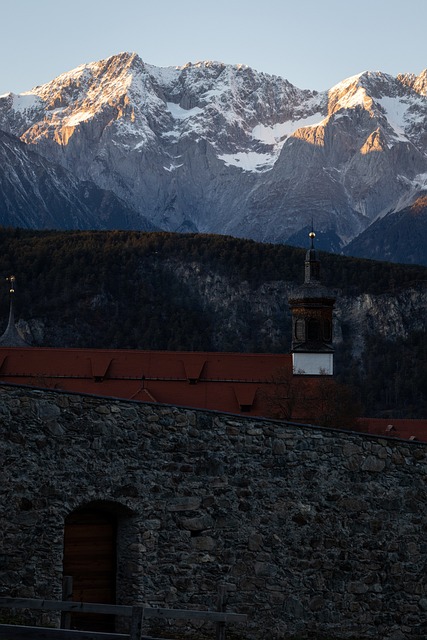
[(218, 148), (37, 193), (392, 237)]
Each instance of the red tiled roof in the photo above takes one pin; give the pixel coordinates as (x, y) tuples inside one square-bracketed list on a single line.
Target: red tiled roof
[(222, 381), (395, 428), (229, 382)]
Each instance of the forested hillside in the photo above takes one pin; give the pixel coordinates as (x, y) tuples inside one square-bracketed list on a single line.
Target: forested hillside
[(124, 289)]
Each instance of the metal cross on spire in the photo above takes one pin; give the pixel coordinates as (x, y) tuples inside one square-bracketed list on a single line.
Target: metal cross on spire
[(11, 280)]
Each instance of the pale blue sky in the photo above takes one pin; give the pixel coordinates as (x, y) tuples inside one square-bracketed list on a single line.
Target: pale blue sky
[(313, 44)]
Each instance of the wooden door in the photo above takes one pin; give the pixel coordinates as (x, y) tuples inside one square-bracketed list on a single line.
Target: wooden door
[(90, 559)]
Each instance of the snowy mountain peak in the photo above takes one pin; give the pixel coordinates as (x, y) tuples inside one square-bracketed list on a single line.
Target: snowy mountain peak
[(362, 90), (348, 94), (187, 145), (203, 64), (95, 80), (417, 83), (420, 84)]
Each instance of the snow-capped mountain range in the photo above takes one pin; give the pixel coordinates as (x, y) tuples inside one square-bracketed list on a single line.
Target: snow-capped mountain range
[(217, 148)]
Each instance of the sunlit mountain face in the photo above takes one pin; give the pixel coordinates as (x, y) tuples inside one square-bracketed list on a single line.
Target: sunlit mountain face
[(210, 147)]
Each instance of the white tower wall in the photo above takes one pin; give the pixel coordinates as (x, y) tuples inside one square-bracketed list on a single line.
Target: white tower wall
[(313, 364)]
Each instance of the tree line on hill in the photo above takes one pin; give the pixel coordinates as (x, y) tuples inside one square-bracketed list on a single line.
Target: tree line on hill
[(138, 290)]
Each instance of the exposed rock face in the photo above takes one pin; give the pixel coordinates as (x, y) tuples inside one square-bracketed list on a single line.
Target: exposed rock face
[(235, 307), (35, 192), (218, 148), (400, 236), (392, 315)]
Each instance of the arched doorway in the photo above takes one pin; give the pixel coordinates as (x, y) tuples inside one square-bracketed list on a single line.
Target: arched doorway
[(90, 558)]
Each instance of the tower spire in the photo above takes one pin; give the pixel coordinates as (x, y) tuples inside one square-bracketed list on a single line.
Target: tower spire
[(312, 263), (311, 307), (11, 337)]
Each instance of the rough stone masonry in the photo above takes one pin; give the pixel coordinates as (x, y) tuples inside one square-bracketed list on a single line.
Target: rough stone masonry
[(317, 533)]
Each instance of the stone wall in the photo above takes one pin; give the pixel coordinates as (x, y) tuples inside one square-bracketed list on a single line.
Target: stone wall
[(316, 532)]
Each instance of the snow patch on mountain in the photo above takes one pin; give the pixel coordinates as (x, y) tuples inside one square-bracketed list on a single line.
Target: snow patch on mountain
[(420, 181), (272, 135), (164, 76), (77, 117), (178, 113), (173, 167), (396, 113), (353, 99), (25, 101), (249, 160)]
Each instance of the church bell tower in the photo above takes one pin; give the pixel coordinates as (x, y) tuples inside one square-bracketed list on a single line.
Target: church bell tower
[(311, 307)]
